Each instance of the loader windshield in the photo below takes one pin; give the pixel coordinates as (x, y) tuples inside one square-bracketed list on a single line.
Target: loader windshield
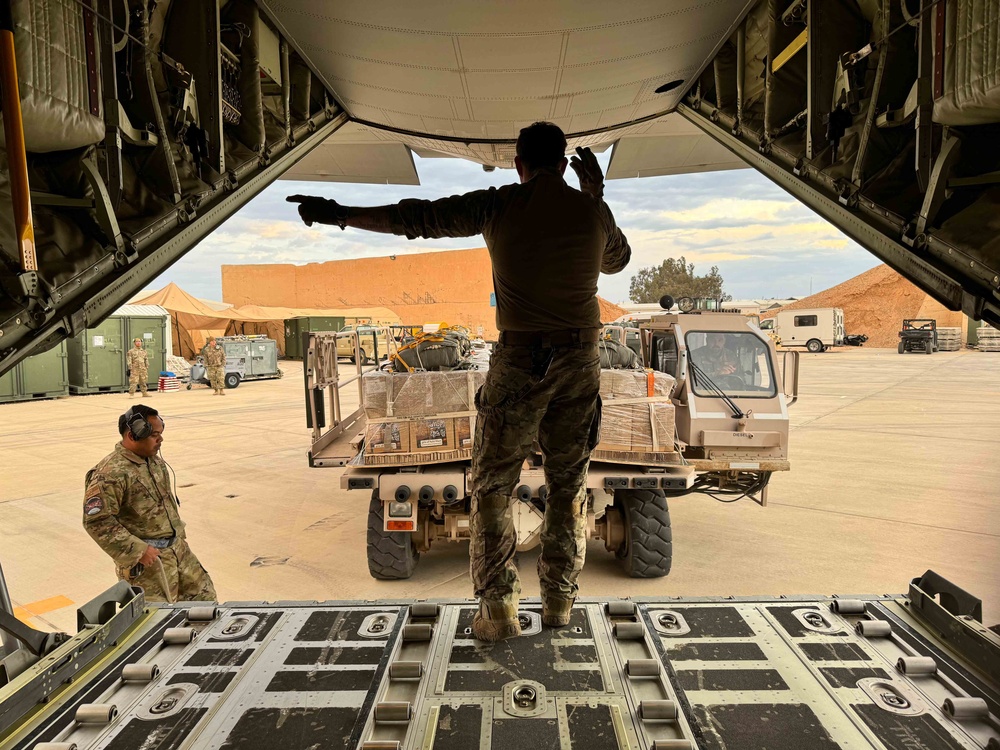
[(738, 363)]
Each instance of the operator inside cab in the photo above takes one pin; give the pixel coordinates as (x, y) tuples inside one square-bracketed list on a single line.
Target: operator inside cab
[(714, 358)]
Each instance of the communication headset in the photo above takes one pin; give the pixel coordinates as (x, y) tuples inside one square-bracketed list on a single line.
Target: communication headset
[(140, 427)]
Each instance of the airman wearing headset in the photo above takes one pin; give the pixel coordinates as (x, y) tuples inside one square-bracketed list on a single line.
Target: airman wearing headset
[(131, 512)]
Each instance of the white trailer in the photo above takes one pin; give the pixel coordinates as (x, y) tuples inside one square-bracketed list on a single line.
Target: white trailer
[(817, 329)]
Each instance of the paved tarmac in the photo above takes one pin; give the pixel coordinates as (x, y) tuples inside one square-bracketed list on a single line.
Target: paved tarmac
[(894, 471)]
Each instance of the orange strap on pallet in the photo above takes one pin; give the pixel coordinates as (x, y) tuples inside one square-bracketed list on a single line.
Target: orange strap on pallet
[(650, 384), (13, 128)]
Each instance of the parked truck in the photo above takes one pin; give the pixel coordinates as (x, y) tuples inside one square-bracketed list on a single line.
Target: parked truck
[(817, 329), (679, 425)]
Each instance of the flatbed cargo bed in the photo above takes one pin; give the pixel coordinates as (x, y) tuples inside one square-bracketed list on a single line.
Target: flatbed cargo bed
[(705, 672)]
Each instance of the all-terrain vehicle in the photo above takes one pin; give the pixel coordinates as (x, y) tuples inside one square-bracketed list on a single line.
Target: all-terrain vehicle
[(918, 335), (714, 420)]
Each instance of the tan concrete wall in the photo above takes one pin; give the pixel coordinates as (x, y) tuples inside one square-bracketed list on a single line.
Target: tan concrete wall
[(451, 286)]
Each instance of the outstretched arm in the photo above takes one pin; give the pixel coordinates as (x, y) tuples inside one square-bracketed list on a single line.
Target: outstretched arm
[(457, 216), (617, 252)]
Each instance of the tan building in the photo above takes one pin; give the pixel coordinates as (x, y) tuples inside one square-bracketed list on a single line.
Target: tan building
[(450, 286)]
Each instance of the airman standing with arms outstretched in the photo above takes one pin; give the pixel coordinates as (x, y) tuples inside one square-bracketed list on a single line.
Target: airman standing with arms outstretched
[(548, 245)]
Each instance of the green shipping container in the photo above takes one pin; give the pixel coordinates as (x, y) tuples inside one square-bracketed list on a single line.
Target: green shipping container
[(97, 356), (295, 327), (40, 376)]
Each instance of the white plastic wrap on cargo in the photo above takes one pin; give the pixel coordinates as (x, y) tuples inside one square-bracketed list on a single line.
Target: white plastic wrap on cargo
[(51, 53), (637, 414)]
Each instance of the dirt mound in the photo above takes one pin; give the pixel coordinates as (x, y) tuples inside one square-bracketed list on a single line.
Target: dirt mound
[(876, 303), (609, 310)]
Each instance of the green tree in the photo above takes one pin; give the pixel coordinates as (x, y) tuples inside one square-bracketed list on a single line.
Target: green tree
[(677, 278)]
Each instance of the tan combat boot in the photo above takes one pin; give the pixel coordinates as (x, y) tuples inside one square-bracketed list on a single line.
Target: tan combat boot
[(495, 622), (556, 612)]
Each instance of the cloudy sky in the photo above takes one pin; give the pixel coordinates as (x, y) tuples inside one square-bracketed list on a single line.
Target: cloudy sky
[(764, 242)]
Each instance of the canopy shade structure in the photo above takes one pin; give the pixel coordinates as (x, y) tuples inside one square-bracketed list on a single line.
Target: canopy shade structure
[(194, 321)]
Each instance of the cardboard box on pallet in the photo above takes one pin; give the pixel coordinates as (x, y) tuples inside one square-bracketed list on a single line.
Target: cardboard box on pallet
[(433, 434), (633, 425), (464, 431), (387, 437), (405, 395)]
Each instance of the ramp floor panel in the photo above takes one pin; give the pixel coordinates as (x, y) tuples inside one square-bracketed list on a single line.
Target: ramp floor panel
[(718, 674)]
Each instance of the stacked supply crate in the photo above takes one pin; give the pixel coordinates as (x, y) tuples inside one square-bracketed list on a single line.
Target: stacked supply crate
[(989, 339), (949, 339), (637, 419), (430, 417), (420, 417)]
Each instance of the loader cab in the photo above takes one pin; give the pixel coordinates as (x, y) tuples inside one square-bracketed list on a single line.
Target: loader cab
[(732, 393)]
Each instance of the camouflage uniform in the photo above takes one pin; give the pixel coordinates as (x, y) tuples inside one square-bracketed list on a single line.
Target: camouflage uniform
[(215, 364), (552, 394), (548, 245), (137, 361), (713, 360), (128, 503)]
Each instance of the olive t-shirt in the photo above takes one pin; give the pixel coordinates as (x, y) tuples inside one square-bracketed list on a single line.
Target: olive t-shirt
[(548, 244)]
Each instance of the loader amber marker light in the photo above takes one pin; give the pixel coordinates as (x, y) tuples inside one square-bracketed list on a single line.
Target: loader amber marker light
[(400, 525)]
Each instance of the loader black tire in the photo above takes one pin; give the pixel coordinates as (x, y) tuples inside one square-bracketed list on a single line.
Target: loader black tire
[(391, 554), (648, 548)]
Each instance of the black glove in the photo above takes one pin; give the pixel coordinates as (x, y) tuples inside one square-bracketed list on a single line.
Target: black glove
[(589, 171), (322, 210)]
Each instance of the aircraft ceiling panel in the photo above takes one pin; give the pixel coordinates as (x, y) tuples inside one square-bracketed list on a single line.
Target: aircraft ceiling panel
[(531, 52), (486, 72), (357, 154), (667, 146)]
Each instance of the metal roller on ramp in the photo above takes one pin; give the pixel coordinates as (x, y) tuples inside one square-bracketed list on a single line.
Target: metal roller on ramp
[(697, 672)]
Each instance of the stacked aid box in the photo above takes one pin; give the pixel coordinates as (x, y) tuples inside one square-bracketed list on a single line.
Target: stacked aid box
[(949, 339), (419, 417), (430, 417), (989, 339)]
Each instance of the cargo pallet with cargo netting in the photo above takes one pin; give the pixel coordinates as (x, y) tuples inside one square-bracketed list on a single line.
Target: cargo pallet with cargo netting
[(672, 427)]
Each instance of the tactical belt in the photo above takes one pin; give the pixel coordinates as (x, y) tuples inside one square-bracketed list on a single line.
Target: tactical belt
[(548, 339), (161, 543)]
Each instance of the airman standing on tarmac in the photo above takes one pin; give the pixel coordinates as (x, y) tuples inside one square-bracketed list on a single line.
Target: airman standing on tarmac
[(215, 364), (137, 362), (548, 244), (130, 511)]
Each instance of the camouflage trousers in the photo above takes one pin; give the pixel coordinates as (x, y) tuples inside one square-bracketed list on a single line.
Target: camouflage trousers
[(138, 378), (176, 576), (217, 377), (550, 395)]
